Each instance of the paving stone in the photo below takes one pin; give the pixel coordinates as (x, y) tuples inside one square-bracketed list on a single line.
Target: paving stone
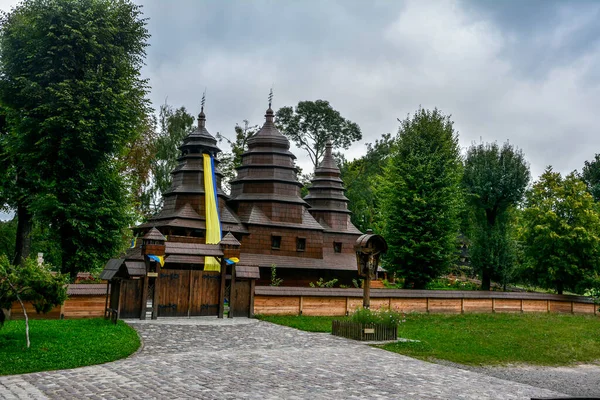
[(208, 358)]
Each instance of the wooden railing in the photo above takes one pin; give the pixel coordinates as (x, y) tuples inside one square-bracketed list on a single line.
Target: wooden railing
[(271, 300)]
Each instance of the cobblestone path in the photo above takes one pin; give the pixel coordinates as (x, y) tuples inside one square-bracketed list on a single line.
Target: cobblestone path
[(248, 359)]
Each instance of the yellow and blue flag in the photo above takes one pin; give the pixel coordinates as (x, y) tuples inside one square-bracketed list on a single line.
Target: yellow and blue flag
[(158, 259), (213, 225)]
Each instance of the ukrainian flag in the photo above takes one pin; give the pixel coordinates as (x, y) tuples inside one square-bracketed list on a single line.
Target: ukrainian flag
[(158, 259), (213, 225)]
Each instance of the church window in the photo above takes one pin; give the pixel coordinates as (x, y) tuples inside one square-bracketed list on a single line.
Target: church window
[(337, 247), (300, 244), (276, 242)]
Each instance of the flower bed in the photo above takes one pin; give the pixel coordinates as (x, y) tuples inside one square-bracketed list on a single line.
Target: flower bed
[(361, 331)]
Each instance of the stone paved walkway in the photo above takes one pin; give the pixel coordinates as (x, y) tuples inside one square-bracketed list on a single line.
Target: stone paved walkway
[(248, 359)]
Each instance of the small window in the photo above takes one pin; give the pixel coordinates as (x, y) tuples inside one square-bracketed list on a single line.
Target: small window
[(300, 244), (276, 242), (337, 247)]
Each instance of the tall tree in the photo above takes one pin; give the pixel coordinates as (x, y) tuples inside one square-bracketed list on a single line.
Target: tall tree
[(74, 98), (561, 234), (230, 160), (591, 176), (495, 179), (312, 123), (360, 177), (175, 125), (421, 198)]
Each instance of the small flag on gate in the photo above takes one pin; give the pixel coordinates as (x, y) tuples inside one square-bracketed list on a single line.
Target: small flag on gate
[(158, 259)]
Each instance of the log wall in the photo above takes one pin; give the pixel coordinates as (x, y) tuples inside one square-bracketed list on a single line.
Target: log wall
[(74, 307), (270, 300)]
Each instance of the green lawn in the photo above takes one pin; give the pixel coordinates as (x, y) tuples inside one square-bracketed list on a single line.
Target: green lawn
[(487, 339), (59, 344)]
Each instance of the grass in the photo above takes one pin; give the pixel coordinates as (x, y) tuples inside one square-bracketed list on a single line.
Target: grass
[(62, 344), (487, 339), (304, 323)]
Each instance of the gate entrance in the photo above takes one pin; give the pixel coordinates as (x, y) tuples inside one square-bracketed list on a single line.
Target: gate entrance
[(184, 293)]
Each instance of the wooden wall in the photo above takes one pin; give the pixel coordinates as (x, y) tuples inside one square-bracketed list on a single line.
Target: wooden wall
[(334, 301), (74, 307)]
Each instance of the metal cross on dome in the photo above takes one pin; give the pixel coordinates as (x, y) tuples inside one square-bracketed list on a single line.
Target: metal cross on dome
[(270, 97), (203, 99)]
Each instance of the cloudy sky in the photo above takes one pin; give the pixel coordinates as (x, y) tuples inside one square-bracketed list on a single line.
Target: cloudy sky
[(523, 71)]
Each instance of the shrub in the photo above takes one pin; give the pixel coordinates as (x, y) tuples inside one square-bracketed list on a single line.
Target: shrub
[(383, 316)]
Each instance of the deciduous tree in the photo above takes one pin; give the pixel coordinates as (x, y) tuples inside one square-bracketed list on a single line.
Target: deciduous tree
[(74, 99), (591, 176), (495, 179), (312, 123), (561, 234), (360, 179), (30, 282), (175, 125), (421, 198)]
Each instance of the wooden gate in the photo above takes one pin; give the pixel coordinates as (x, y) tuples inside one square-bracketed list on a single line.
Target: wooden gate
[(183, 293), (241, 295), (130, 291)]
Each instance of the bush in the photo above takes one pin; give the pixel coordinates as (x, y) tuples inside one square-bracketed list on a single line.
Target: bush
[(383, 316)]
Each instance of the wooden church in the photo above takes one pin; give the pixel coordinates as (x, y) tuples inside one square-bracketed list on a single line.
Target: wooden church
[(206, 249)]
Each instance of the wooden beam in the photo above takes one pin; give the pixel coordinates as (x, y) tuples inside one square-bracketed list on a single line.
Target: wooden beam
[(144, 298), (222, 290), (300, 305), (155, 297), (119, 301), (106, 314), (232, 298), (367, 291), (251, 308), (190, 294)]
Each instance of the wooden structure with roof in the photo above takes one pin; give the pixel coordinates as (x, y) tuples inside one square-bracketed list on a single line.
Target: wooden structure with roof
[(267, 223)]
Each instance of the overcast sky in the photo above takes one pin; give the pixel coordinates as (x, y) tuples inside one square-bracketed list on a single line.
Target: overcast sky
[(523, 71)]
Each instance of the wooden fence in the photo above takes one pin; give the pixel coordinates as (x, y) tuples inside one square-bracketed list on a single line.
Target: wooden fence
[(85, 301), (270, 300)]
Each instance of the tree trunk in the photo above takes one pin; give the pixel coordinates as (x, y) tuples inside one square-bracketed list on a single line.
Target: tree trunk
[(24, 226), (485, 279)]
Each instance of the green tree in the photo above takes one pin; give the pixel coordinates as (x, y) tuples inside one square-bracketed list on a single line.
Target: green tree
[(591, 176), (560, 234), (421, 198), (360, 178), (175, 125), (30, 282), (74, 99), (495, 179), (312, 123), (8, 235), (229, 161)]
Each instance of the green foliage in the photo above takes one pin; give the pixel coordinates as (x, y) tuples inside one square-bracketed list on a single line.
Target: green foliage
[(304, 323), (357, 283), (229, 161), (30, 282), (64, 344), (360, 179), (591, 176), (8, 235), (312, 123), (560, 234), (421, 198), (74, 100), (451, 284), (275, 281), (175, 125), (383, 316), (322, 283), (495, 179)]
